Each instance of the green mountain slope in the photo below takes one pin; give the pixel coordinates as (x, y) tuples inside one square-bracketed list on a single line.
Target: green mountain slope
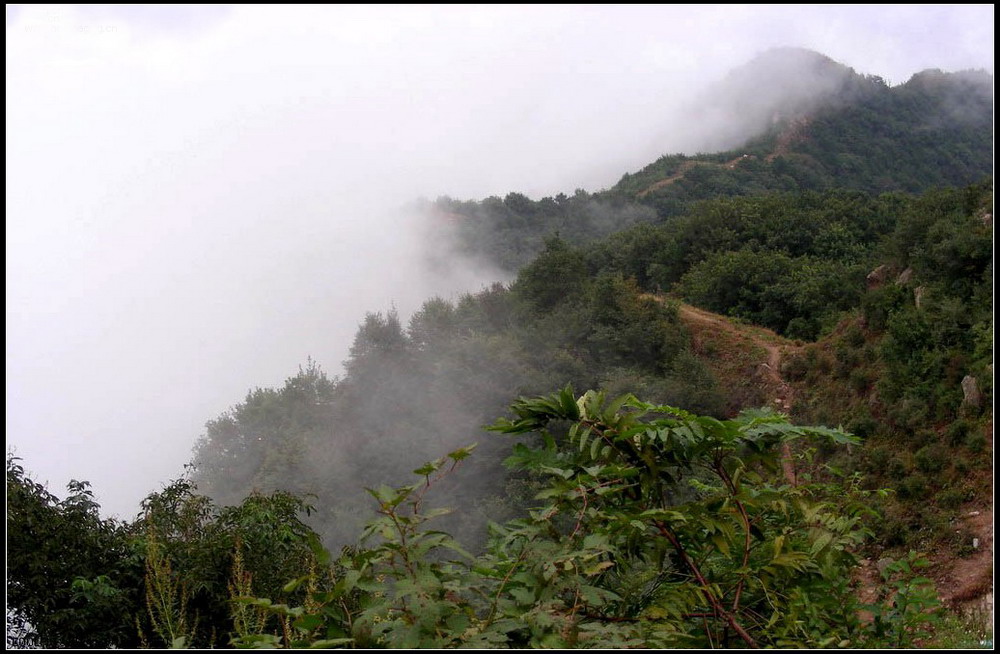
[(818, 270), (832, 129), (793, 261)]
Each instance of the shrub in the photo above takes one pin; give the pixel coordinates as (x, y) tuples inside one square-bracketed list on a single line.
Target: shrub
[(952, 498), (957, 431), (893, 532), (975, 443), (860, 380), (863, 424), (854, 337), (913, 487), (847, 360), (896, 469), (876, 459), (795, 368), (930, 459)]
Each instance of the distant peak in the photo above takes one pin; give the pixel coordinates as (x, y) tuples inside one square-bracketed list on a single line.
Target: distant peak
[(794, 60), (777, 85), (783, 81), (793, 52), (933, 76)]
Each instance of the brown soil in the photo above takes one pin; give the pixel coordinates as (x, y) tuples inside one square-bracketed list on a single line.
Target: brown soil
[(793, 134), (685, 167), (969, 579), (743, 355), (681, 171), (967, 583), (766, 374)]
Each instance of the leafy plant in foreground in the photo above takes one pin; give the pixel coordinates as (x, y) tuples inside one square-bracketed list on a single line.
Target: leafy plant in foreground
[(908, 608), (657, 528)]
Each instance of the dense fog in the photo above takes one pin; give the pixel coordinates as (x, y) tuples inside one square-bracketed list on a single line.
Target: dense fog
[(199, 199)]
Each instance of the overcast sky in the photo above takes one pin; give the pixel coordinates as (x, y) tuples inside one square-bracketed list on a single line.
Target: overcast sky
[(199, 198)]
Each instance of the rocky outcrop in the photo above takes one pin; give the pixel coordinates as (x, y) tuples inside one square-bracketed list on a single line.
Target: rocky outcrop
[(971, 395), (877, 277)]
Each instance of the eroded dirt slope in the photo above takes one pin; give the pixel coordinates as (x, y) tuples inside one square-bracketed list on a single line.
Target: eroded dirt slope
[(747, 360)]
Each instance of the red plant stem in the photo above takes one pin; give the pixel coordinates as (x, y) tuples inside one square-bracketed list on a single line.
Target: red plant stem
[(716, 605)]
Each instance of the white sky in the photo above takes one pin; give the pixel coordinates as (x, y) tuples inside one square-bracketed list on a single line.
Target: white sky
[(198, 198)]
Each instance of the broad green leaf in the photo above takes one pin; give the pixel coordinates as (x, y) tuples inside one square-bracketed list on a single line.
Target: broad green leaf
[(295, 583), (308, 622), (568, 403), (821, 542), (720, 542), (462, 452), (598, 568), (427, 468)]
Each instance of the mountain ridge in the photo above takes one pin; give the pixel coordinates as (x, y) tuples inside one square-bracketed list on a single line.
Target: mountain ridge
[(858, 133)]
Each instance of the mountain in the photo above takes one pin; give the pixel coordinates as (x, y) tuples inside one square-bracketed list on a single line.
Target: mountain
[(779, 275), (778, 85), (818, 124), (879, 305), (781, 234), (838, 130)]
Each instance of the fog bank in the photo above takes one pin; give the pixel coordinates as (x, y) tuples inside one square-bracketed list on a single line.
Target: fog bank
[(200, 198)]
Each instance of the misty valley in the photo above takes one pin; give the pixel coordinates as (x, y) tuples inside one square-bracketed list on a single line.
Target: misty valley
[(738, 399)]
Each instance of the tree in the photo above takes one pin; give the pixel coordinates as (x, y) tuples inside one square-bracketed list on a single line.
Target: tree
[(198, 557), (72, 578), (75, 580), (558, 273), (654, 528), (259, 443), (728, 558)]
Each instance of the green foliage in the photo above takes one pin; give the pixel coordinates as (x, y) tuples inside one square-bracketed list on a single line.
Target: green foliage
[(558, 323), (898, 367), (925, 133), (582, 315), (261, 442), (619, 477), (513, 231), (164, 580), (650, 526), (935, 130), (72, 580), (196, 554), (793, 296), (167, 598), (907, 608), (555, 276), (655, 528), (970, 630), (789, 262), (629, 329), (929, 348)]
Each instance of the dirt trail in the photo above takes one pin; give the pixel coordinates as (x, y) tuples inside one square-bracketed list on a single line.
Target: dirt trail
[(969, 581), (966, 584), (768, 371), (683, 169), (793, 134), (963, 583)]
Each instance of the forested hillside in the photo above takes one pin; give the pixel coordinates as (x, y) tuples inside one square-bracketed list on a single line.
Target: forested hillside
[(678, 503), (801, 265), (850, 132)]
